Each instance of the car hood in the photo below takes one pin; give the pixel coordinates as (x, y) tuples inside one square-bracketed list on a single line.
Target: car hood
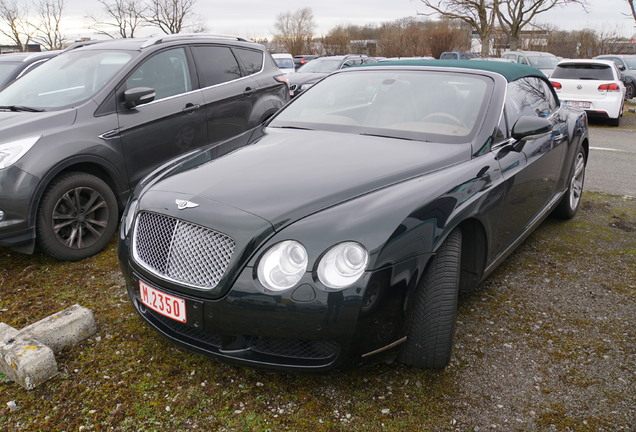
[(304, 78), (284, 175), (23, 123)]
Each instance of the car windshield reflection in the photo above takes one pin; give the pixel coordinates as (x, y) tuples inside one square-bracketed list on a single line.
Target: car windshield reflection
[(421, 105), (65, 80)]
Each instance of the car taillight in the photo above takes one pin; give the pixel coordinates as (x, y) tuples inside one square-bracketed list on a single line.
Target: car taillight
[(609, 87), (282, 78), (556, 85)]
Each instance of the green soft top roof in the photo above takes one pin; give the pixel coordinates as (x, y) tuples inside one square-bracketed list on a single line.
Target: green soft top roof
[(511, 71)]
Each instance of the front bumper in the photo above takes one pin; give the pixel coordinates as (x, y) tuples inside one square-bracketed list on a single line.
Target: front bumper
[(17, 189), (305, 329)]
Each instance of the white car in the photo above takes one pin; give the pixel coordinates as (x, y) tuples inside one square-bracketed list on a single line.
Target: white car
[(285, 62), (591, 84)]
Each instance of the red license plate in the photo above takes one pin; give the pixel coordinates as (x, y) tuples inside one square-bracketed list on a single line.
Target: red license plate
[(160, 302)]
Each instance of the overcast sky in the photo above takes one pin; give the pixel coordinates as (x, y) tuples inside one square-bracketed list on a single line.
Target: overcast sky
[(255, 18)]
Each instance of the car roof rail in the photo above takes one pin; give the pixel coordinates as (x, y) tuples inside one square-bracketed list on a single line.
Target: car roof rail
[(178, 36), (84, 43)]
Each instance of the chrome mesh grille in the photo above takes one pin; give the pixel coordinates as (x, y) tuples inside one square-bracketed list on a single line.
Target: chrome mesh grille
[(181, 251)]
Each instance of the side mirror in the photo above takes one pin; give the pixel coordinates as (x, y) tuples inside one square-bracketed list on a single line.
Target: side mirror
[(529, 127), (138, 96)]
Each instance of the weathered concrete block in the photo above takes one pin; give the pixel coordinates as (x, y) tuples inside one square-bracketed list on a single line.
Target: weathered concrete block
[(6, 332), (65, 328), (27, 362)]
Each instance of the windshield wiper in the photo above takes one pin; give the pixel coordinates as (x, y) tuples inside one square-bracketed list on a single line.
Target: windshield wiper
[(291, 127), (392, 136), (16, 108)]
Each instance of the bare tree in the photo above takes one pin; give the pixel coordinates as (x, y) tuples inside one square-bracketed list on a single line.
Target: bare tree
[(337, 41), (447, 36), (480, 15), (404, 37), (170, 16), (123, 18), (48, 32), (14, 24), (294, 30), (515, 15)]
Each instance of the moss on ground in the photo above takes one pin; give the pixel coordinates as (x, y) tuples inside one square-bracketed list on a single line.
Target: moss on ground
[(127, 378)]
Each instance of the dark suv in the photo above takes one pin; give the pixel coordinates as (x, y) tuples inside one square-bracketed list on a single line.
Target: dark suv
[(80, 131)]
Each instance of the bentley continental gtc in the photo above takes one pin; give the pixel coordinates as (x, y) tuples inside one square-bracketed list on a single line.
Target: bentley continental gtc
[(343, 229)]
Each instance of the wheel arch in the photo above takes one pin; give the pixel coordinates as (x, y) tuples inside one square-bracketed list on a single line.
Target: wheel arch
[(89, 165)]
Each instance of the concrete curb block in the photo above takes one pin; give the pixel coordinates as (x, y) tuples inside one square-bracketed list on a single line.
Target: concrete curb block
[(27, 356), (65, 328), (27, 362)]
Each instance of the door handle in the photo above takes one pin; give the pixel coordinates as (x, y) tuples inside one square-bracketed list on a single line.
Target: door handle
[(249, 91), (191, 107)]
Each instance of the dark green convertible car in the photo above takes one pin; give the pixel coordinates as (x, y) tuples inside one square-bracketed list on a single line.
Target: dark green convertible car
[(343, 229)]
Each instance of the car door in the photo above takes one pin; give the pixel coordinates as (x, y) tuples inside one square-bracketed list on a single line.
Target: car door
[(173, 123), (530, 168), (228, 95)]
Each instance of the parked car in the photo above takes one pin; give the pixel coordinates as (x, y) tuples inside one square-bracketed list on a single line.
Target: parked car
[(544, 61), (14, 65), (303, 59), (81, 130), (457, 55), (313, 72), (627, 65), (593, 85), (285, 62), (343, 228)]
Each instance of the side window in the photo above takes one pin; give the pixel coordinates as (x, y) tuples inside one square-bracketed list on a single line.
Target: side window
[(252, 60), (216, 64), (167, 72), (528, 97), (523, 60)]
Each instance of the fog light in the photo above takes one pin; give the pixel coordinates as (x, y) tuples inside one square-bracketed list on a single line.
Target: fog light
[(1, 215)]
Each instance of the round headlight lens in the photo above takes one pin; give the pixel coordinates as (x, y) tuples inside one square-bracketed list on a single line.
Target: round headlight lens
[(282, 266), (343, 265)]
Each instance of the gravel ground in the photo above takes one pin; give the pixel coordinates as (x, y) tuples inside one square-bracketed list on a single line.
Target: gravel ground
[(548, 343)]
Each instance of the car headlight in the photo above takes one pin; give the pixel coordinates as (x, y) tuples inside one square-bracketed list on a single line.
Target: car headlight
[(11, 152), (130, 216), (282, 266), (343, 265)]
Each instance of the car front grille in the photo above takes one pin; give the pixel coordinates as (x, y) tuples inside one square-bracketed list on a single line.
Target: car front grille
[(181, 251)]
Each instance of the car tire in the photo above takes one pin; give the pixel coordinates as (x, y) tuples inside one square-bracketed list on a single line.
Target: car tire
[(569, 205), (68, 231), (630, 91), (429, 339)]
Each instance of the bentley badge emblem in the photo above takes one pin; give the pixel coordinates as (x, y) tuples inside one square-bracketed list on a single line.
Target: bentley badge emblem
[(183, 204)]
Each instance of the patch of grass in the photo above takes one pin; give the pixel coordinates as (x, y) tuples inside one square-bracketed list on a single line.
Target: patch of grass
[(127, 378)]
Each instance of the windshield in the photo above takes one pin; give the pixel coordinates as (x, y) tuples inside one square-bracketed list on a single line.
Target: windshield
[(543, 62), (631, 62), (284, 63), (65, 80), (321, 66), (445, 107), (6, 68)]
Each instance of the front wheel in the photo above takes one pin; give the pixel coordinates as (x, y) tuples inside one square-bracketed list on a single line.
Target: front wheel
[(77, 217), (630, 91), (429, 340), (571, 201)]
